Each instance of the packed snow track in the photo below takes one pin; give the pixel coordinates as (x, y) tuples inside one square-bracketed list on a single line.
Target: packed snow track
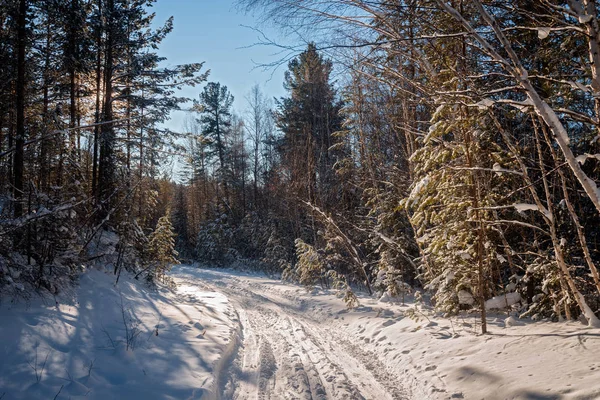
[(289, 348)]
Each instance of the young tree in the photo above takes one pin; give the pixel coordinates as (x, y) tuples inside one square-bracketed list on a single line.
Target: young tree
[(161, 246)]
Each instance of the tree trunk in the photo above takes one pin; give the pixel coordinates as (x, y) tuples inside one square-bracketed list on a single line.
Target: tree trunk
[(107, 135), (72, 57), (43, 158), (98, 100), (19, 156)]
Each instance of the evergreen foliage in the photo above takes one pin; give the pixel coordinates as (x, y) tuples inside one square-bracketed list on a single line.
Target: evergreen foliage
[(161, 247)]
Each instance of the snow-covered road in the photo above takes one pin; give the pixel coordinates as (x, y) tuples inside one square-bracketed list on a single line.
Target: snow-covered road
[(289, 348), (291, 344)]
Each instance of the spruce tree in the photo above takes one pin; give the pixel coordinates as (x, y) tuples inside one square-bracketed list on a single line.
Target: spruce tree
[(308, 119), (161, 247)]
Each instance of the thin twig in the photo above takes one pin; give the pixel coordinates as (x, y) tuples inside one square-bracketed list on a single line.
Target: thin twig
[(112, 343), (59, 390), (44, 365), (91, 367)]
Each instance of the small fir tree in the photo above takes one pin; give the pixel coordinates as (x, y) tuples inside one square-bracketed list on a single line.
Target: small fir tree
[(161, 246)]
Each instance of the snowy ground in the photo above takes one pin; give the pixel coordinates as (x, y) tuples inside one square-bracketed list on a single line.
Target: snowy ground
[(76, 346), (225, 334), (300, 345)]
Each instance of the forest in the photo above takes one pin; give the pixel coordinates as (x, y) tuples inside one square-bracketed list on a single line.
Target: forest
[(442, 148)]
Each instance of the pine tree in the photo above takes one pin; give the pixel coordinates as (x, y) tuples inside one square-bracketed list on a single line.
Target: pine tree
[(215, 108)]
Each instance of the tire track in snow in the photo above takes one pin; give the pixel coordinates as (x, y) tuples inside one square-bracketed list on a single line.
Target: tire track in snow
[(268, 368), (284, 354), (248, 360), (380, 385)]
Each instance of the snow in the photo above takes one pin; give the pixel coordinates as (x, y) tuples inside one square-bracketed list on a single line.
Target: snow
[(562, 204), (503, 301), (465, 297), (228, 334), (512, 321), (578, 86), (522, 207), (432, 130), (485, 104), (497, 168), (83, 337), (438, 111), (525, 105), (419, 188), (543, 32), (581, 159), (378, 351)]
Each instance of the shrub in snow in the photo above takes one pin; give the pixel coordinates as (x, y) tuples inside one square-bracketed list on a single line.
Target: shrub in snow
[(276, 254), (340, 283), (45, 246), (311, 269), (350, 298), (542, 291), (251, 236), (46, 252), (129, 249)]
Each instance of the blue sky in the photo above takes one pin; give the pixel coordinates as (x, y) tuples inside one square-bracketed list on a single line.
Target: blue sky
[(212, 31)]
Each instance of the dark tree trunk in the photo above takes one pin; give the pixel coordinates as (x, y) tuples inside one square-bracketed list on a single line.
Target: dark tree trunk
[(107, 134), (72, 63), (44, 168), (98, 100), (19, 157)]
